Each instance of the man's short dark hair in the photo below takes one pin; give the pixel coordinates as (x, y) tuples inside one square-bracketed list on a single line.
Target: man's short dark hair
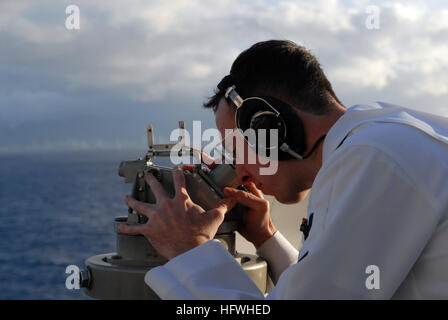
[(283, 69)]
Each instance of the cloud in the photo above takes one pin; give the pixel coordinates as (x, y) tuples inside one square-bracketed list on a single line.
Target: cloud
[(173, 53), (406, 50)]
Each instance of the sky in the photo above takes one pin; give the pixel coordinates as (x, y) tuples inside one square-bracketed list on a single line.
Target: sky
[(140, 61)]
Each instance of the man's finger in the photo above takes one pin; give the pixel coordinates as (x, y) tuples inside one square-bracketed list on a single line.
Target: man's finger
[(143, 208), (245, 198), (131, 229), (179, 182), (224, 206), (156, 187), (252, 188), (188, 167), (206, 158)]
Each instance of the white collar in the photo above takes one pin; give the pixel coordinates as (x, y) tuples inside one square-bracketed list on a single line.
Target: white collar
[(383, 112)]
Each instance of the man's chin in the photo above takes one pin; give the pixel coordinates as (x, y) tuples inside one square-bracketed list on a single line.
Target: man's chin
[(291, 198)]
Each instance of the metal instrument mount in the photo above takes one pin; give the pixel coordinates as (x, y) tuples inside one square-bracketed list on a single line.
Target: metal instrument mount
[(120, 275)]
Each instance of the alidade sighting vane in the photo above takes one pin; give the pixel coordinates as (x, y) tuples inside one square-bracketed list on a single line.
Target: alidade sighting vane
[(165, 150)]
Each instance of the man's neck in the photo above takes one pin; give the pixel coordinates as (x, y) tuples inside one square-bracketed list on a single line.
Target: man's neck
[(316, 127)]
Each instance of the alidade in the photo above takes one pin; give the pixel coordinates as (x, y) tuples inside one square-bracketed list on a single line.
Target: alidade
[(120, 275)]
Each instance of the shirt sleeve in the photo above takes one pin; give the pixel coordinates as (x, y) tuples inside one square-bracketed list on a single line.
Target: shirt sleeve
[(279, 253), (207, 272), (367, 212)]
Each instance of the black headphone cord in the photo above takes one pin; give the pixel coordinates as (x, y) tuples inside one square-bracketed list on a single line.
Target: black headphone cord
[(315, 146)]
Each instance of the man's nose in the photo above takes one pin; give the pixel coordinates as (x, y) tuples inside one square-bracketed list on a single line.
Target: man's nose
[(242, 174)]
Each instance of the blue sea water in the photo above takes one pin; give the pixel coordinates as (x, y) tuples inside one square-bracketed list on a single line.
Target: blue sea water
[(56, 210)]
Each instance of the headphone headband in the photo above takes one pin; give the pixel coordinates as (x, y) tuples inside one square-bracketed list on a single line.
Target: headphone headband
[(297, 138), (225, 83)]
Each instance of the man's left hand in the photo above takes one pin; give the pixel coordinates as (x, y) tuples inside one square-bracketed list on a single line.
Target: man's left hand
[(175, 225)]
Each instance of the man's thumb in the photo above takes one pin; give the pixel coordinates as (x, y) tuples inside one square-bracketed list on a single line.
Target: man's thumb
[(224, 206)]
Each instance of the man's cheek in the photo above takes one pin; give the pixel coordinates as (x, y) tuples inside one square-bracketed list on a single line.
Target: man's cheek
[(244, 154)]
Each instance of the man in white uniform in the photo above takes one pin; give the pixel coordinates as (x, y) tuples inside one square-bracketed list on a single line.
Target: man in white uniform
[(377, 225)]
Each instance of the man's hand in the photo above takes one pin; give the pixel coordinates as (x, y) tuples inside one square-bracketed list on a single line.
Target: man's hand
[(175, 225), (257, 226)]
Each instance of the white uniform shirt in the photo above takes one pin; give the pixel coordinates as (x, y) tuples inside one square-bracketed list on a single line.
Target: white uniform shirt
[(380, 199)]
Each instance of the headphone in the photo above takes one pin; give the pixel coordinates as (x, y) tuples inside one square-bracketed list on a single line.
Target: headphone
[(266, 112)]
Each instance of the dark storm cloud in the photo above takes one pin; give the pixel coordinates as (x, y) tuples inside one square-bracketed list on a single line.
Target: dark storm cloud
[(132, 62)]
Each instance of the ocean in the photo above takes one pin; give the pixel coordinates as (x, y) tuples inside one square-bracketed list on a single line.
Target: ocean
[(56, 210)]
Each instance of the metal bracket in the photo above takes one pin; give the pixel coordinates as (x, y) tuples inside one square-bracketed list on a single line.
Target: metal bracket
[(162, 150), (165, 150)]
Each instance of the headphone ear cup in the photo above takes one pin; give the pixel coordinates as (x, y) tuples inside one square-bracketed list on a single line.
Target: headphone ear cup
[(257, 114), (263, 123), (294, 130), (268, 120)]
